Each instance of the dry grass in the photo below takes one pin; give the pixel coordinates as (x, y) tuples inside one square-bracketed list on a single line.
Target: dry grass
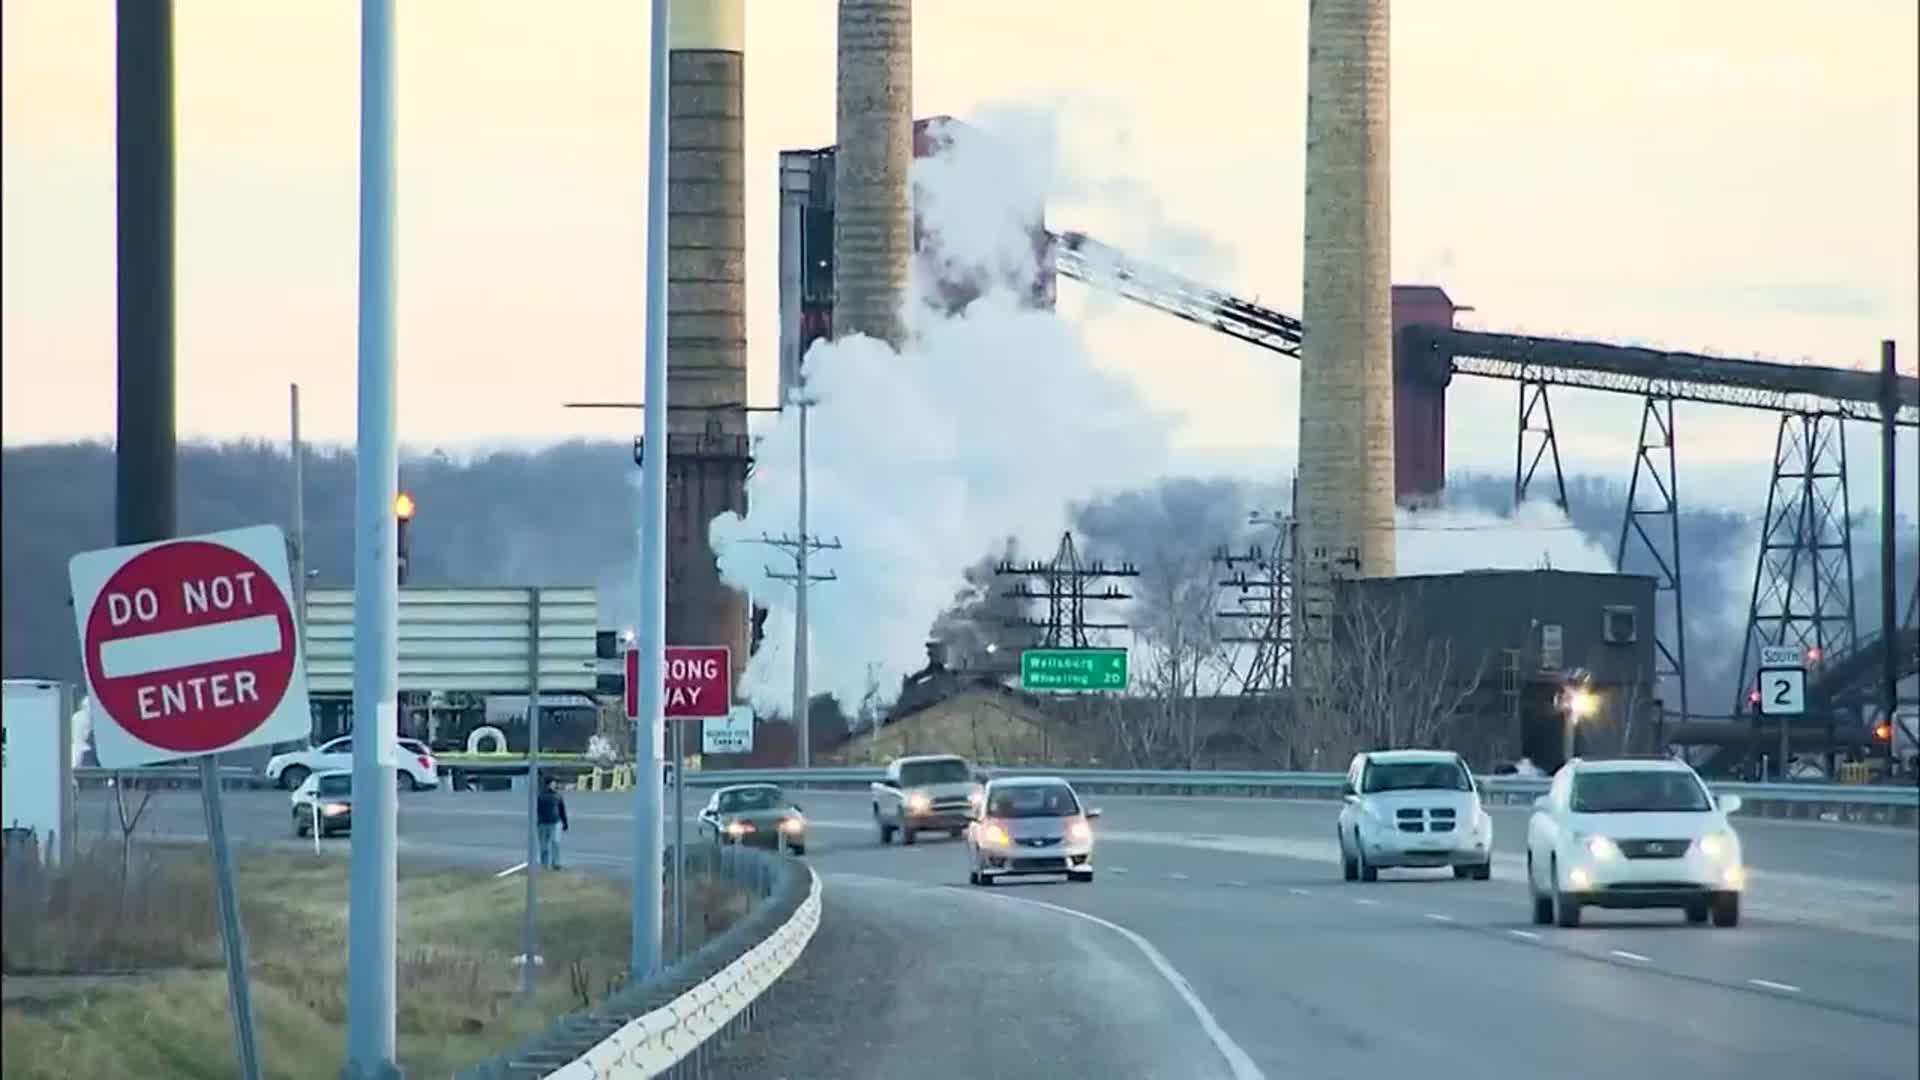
[(106, 978)]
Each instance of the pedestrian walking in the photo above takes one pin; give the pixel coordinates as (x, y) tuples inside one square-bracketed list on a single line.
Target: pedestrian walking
[(550, 814)]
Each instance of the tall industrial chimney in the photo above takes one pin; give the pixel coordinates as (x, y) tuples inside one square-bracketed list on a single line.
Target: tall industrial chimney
[(1345, 497), (706, 316), (873, 212)]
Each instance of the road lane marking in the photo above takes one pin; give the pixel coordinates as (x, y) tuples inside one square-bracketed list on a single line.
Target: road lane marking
[(1116, 869), (1785, 988), (1527, 934), (1625, 955), (1238, 1062), (511, 870), (1238, 884), (1178, 877), (1367, 903), (1437, 917), (1299, 892)]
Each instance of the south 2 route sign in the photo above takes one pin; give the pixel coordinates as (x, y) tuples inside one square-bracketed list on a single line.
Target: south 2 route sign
[(1073, 669), (699, 682), (1783, 680), (190, 646)]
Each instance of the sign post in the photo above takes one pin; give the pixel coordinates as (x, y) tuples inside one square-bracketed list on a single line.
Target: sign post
[(697, 686), (1073, 669), (1782, 692), (190, 648)]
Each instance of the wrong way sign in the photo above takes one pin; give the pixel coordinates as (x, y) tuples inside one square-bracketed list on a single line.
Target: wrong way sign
[(699, 682), (189, 646)]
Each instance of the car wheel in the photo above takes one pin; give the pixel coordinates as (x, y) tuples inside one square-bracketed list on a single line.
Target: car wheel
[(906, 836), (973, 877), (1566, 910), (407, 782), (954, 834), (299, 824), (1368, 872), (1461, 873), (1080, 876), (1726, 910), (293, 776), (797, 849), (1542, 903), (1697, 913), (1483, 872), (886, 832)]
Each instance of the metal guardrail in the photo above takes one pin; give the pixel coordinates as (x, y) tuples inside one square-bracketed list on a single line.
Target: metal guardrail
[(667, 1025), (1789, 799)]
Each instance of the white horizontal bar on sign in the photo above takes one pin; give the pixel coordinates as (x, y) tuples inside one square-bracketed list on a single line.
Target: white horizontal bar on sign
[(166, 650)]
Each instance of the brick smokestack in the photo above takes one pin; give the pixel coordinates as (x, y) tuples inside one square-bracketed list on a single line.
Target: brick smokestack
[(873, 212), (706, 315), (1346, 472)]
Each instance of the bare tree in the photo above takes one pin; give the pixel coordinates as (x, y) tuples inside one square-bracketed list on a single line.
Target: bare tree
[(1389, 685), (1184, 659), (129, 821)]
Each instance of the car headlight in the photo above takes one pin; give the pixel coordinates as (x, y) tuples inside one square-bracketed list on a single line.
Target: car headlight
[(335, 809), (996, 836), (917, 803), (1078, 829), (738, 828), (1716, 845), (1601, 848), (792, 824)]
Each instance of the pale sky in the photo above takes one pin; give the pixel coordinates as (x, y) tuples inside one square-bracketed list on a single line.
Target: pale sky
[(1736, 177)]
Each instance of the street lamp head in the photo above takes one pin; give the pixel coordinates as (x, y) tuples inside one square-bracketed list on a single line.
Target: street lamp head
[(403, 506), (1582, 702)]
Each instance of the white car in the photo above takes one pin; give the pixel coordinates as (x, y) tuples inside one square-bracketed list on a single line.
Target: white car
[(1633, 833), (417, 767), (1413, 808)]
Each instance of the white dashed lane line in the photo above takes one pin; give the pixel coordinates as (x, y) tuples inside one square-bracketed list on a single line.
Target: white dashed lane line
[(1437, 917), (1364, 902), (1178, 876), (1299, 892), (1237, 884), (1625, 955), (1769, 984), (1527, 934)]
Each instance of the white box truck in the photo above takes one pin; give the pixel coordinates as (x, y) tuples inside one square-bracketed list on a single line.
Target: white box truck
[(36, 768)]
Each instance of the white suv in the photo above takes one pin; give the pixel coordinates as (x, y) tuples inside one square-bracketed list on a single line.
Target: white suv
[(1633, 833), (417, 767), (1413, 808)]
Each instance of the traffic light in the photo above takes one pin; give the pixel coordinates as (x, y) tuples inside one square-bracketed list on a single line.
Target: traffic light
[(403, 510)]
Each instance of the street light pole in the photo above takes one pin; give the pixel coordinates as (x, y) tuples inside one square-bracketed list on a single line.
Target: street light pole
[(802, 714)]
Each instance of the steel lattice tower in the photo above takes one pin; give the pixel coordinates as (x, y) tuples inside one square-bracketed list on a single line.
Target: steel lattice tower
[(1803, 576), (1260, 582), (1654, 494), (1067, 586)]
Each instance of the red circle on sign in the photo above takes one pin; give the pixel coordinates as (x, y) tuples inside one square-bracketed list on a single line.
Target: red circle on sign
[(201, 644)]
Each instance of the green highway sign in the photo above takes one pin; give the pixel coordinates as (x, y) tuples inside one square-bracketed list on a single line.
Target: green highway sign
[(1073, 669)]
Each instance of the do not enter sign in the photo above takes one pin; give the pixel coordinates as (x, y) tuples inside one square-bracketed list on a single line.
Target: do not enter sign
[(190, 646), (699, 682)]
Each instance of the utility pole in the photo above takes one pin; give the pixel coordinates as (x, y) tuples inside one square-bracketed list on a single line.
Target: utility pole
[(1265, 599), (297, 450), (801, 578)]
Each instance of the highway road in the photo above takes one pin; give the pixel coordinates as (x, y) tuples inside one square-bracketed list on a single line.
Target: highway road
[(1219, 941)]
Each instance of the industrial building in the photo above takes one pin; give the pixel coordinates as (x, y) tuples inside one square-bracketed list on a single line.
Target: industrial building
[(1507, 644)]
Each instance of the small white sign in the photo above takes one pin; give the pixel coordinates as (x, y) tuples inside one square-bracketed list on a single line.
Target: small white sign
[(1781, 656), (729, 734), (1783, 691)]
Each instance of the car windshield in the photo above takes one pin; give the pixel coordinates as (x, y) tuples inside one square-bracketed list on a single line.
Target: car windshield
[(1415, 776), (1032, 800), (334, 785), (1638, 791), (950, 771), (748, 799)]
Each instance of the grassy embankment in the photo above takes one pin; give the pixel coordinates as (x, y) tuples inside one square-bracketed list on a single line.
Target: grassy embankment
[(105, 977)]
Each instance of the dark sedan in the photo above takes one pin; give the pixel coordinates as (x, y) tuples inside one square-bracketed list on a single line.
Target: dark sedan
[(754, 815), (323, 804)]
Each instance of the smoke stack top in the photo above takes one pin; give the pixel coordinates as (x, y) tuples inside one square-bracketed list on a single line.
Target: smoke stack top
[(873, 212)]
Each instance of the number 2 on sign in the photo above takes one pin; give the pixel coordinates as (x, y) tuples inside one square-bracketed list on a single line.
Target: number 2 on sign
[(1782, 691)]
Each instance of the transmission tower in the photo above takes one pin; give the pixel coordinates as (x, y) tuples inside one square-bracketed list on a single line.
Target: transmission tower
[(1261, 584), (1803, 578), (1068, 584)]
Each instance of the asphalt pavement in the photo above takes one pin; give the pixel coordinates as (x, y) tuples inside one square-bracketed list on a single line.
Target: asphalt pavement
[(1219, 941)]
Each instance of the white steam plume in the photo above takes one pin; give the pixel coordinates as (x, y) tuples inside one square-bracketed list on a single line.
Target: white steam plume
[(985, 427), (1536, 535)]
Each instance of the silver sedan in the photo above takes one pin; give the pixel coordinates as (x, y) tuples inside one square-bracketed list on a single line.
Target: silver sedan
[(1030, 825)]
